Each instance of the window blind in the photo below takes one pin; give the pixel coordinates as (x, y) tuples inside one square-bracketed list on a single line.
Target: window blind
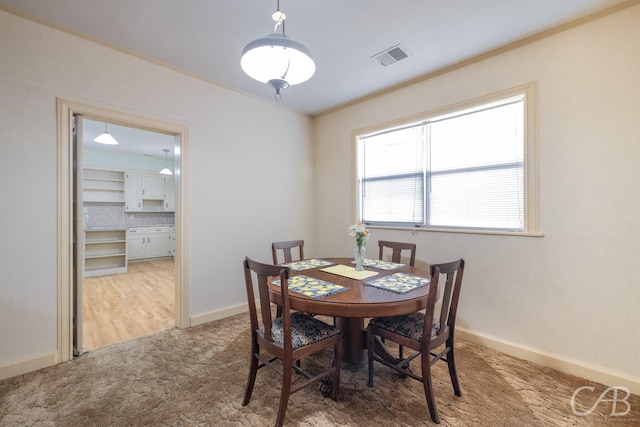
[(461, 170), (476, 169), (393, 177)]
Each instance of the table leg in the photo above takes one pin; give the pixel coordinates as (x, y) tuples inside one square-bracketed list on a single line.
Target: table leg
[(353, 354)]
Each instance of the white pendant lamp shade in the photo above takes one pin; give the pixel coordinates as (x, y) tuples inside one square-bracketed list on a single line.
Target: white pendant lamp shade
[(106, 138), (166, 170), (277, 56), (277, 59)]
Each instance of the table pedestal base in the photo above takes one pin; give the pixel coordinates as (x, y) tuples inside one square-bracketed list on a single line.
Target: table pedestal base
[(354, 356)]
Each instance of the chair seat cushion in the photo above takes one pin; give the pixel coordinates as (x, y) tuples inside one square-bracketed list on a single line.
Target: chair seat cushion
[(407, 325), (305, 330)]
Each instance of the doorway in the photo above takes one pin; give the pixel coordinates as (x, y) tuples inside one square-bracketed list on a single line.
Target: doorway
[(71, 221), (128, 286), (120, 307)]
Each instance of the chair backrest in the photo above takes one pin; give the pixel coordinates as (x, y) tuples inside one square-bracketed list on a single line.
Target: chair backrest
[(263, 273), (286, 247), (397, 248), (453, 272)]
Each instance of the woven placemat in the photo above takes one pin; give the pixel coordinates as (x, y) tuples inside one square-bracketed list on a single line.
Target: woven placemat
[(350, 272), (308, 264), (400, 283), (313, 288), (382, 265)]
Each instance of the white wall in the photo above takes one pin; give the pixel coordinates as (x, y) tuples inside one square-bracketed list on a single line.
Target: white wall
[(107, 159), (571, 297), (241, 158)]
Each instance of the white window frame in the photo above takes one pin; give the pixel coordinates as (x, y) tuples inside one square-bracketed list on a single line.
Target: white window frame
[(531, 198)]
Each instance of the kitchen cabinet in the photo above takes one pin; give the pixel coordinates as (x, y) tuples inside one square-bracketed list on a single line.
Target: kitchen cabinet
[(105, 252), (133, 189), (158, 242), (172, 241), (152, 186), (102, 185), (148, 242), (149, 192), (136, 238), (169, 194)]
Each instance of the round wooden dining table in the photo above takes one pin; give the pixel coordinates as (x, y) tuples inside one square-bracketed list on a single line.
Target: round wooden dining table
[(359, 302)]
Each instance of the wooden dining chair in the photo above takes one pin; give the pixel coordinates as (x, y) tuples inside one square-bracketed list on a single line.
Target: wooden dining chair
[(286, 248), (396, 251), (396, 256), (420, 332), (288, 339)]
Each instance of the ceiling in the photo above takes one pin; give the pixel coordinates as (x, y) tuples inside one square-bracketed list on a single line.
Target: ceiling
[(206, 37), (130, 140)]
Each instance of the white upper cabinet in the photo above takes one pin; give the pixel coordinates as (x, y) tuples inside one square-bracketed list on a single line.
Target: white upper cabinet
[(149, 192), (153, 186), (133, 190), (169, 194)]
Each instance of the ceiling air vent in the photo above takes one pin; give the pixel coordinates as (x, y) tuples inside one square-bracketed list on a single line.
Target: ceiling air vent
[(391, 55)]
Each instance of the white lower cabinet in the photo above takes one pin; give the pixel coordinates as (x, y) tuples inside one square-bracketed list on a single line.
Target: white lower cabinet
[(172, 234), (136, 238), (148, 242)]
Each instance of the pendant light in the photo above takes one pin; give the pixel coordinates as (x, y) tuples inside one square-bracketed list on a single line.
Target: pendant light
[(277, 59), (106, 138), (166, 170)]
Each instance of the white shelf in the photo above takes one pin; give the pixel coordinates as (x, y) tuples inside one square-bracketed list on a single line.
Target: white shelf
[(100, 185), (105, 252)]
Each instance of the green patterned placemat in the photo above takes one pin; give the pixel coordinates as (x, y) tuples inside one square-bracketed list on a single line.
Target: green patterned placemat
[(400, 283), (380, 264), (307, 264), (313, 288)]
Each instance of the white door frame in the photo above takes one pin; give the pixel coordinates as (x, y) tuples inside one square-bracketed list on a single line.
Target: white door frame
[(65, 110)]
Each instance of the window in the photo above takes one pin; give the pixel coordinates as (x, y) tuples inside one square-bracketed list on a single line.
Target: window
[(464, 169)]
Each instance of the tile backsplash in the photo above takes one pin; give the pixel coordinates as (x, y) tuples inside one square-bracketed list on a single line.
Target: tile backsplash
[(99, 214)]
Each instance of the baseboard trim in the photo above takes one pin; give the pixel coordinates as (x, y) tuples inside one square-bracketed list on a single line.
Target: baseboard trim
[(218, 314), (24, 366), (563, 364)]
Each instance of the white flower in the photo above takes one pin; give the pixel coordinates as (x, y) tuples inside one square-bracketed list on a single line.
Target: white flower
[(360, 232)]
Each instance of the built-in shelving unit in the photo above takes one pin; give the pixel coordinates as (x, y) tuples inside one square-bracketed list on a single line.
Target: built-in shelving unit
[(101, 185), (105, 252)]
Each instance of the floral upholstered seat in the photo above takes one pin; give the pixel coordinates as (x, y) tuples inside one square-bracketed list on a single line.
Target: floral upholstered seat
[(305, 330), (407, 325)]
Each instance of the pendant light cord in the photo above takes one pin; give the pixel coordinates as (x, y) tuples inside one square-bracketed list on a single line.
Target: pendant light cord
[(279, 17)]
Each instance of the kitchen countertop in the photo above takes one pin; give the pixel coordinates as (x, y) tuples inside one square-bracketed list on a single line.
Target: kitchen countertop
[(151, 225), (123, 228), (105, 228)]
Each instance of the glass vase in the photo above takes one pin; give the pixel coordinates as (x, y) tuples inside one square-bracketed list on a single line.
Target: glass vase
[(359, 253)]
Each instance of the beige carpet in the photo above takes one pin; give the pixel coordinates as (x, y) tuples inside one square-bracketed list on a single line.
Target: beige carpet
[(196, 377)]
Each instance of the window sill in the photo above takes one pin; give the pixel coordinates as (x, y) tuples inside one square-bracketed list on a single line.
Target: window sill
[(457, 231)]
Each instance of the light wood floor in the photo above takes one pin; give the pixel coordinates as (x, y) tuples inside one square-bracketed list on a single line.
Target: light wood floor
[(119, 307)]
